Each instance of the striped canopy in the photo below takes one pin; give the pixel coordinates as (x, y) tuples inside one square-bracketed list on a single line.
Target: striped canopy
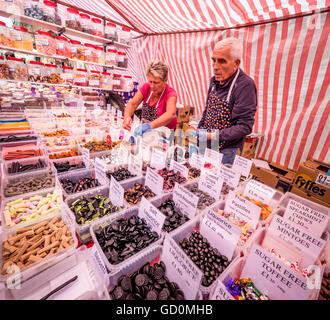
[(286, 51)]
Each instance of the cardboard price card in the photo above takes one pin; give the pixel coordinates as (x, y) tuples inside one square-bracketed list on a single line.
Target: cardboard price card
[(275, 279), (158, 159), (211, 184), (243, 209), (312, 220), (116, 193), (185, 200), (229, 176), (259, 191), (307, 245), (135, 165), (154, 181), (85, 154), (214, 157), (242, 165), (221, 233), (154, 218), (101, 171), (181, 269), (220, 292), (178, 167)]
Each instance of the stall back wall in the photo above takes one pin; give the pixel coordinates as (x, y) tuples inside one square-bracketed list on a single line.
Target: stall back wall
[(289, 61)]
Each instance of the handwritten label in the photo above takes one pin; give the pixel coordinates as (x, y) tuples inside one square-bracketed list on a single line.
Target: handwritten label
[(185, 200), (259, 191), (119, 114), (230, 176), (178, 167), (210, 183), (135, 165), (85, 154), (158, 159), (116, 193), (120, 122), (101, 171), (307, 218), (221, 233), (196, 161), (273, 278), (243, 209), (213, 157), (154, 218), (154, 181), (220, 292), (242, 165), (181, 269), (323, 180), (123, 155), (98, 260)]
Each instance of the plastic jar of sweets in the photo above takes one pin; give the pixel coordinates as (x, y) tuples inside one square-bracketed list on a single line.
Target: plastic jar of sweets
[(100, 56), (111, 31), (21, 38), (81, 78), (86, 24), (67, 75), (36, 71), (45, 43), (116, 82), (17, 69), (77, 51), (72, 19), (97, 28), (62, 47), (122, 60), (94, 79), (5, 39), (111, 57), (106, 82)]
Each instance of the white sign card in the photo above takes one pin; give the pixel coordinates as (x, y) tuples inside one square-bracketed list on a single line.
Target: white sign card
[(210, 183), (154, 218), (229, 176), (221, 293), (154, 181), (116, 193), (214, 157), (85, 154), (180, 269), (221, 233), (119, 114), (273, 278), (100, 171), (135, 165), (158, 159), (243, 209), (196, 161), (242, 165), (185, 200), (178, 167), (259, 191), (312, 220), (307, 245)]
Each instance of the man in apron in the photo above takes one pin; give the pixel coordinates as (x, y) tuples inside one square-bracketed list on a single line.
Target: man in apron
[(231, 102)]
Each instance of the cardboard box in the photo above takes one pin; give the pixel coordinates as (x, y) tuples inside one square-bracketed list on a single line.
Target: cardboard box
[(183, 113), (249, 147), (278, 177), (308, 196), (306, 177)]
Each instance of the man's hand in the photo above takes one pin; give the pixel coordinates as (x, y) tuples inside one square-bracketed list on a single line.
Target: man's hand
[(127, 123)]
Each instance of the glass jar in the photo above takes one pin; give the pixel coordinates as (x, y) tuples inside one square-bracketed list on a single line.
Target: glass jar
[(52, 73), (50, 13), (127, 83), (62, 47), (97, 28), (5, 39), (72, 19), (116, 82), (94, 79), (106, 82), (125, 36), (4, 69), (81, 78), (77, 51), (34, 9), (86, 25), (67, 75), (99, 55), (36, 71), (111, 57), (21, 38), (89, 53), (111, 31), (45, 43), (122, 60), (17, 69)]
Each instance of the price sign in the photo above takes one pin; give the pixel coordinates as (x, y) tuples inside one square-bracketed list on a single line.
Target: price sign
[(220, 292), (154, 181), (259, 191), (230, 176), (181, 269), (135, 165), (158, 159), (185, 200), (221, 233), (210, 183), (213, 157), (100, 171), (119, 114), (196, 161), (116, 193), (242, 165), (85, 155), (178, 167), (154, 218)]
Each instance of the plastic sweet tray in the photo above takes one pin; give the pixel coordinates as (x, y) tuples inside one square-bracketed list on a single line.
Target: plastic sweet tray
[(28, 161)]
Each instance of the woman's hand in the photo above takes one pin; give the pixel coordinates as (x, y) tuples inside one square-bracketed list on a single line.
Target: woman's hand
[(127, 123)]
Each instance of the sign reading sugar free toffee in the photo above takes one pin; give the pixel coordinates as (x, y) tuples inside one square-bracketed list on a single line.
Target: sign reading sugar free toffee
[(185, 200), (180, 269), (307, 218), (154, 181), (243, 209), (275, 279)]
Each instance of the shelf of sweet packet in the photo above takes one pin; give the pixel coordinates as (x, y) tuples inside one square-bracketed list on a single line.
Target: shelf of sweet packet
[(38, 54), (60, 28)]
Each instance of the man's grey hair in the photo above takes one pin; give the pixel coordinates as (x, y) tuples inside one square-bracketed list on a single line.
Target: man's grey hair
[(235, 45), (158, 69)]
